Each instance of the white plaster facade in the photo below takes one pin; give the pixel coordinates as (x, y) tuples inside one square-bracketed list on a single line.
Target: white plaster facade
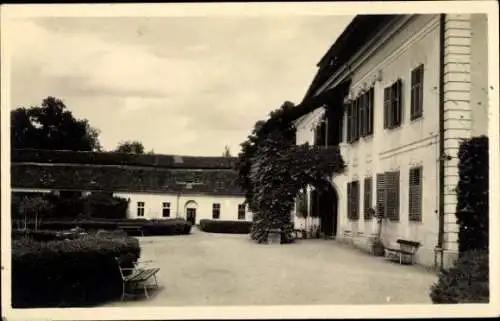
[(409, 41), (153, 205)]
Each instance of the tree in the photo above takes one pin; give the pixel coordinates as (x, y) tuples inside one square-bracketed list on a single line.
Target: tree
[(272, 170), (130, 147), (227, 152), (34, 206), (51, 126)]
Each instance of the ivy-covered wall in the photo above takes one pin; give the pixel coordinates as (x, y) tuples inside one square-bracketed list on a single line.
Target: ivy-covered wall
[(473, 195)]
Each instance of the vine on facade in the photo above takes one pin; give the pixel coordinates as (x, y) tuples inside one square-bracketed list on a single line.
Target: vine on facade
[(273, 169)]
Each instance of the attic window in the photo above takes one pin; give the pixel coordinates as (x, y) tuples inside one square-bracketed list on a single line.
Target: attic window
[(178, 160)]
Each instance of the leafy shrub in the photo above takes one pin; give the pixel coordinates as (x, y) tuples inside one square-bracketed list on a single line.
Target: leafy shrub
[(105, 205), (74, 206), (466, 282), (39, 235), (60, 225), (231, 227), (166, 227), (472, 192), (111, 233), (173, 226), (78, 272)]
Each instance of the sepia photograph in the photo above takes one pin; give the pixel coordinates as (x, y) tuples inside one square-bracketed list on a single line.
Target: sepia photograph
[(249, 160)]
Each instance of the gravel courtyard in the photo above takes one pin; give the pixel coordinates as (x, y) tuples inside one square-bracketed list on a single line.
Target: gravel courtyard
[(221, 269)]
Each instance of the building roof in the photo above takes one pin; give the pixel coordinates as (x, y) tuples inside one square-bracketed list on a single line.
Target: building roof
[(354, 36), (107, 158), (124, 179), (68, 170)]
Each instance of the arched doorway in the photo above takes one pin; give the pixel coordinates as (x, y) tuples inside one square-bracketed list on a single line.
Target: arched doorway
[(324, 205), (190, 209)]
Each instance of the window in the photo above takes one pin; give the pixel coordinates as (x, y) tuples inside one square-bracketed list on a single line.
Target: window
[(388, 195), (349, 123), (369, 112), (241, 211), (415, 194), (367, 202), (362, 114), (360, 117), (417, 92), (365, 103), (353, 200), (215, 210), (352, 121), (393, 105), (140, 209), (355, 120), (166, 209)]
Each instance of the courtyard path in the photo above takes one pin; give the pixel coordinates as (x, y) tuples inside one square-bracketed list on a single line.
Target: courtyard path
[(222, 269)]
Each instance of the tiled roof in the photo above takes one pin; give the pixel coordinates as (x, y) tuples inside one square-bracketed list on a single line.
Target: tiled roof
[(107, 158), (123, 173)]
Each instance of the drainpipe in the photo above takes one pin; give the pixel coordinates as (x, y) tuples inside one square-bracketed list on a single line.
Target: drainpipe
[(440, 242), (178, 197)]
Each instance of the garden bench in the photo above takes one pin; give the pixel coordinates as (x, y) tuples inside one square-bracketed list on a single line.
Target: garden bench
[(134, 228), (298, 233), (405, 251), (137, 278)]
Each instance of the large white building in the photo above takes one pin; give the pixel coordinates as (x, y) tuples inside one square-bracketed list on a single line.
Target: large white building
[(157, 186), (419, 84)]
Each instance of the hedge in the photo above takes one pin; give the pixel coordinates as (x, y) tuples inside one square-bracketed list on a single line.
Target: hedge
[(40, 235), (174, 226), (95, 205), (472, 193), (231, 227), (80, 272), (166, 227), (466, 282)]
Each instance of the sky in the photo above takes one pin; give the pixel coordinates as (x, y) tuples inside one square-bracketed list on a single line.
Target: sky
[(180, 85)]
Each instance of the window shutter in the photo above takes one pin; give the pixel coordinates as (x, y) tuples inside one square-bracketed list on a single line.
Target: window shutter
[(397, 102), (370, 111), (415, 194), (387, 107), (380, 194), (349, 201), (362, 112), (392, 195), (417, 92), (413, 96), (349, 122), (420, 96), (356, 200), (367, 202), (355, 125), (343, 125)]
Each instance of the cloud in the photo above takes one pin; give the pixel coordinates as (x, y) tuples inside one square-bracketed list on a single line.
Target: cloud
[(181, 85)]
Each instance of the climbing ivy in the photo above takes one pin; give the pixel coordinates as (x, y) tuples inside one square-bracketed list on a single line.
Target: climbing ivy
[(272, 169)]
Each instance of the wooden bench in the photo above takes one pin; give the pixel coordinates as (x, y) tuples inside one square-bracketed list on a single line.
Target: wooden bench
[(405, 252), (138, 278), (299, 233), (133, 228)]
